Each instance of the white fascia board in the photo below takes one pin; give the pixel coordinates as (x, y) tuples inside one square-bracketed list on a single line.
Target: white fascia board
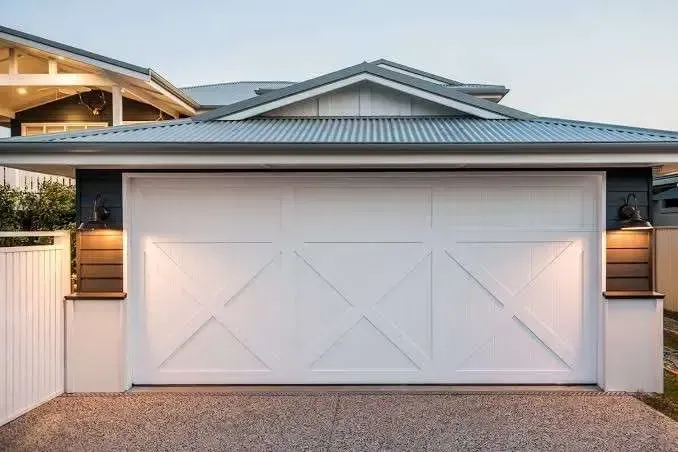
[(84, 158), (180, 103), (364, 77), (73, 56)]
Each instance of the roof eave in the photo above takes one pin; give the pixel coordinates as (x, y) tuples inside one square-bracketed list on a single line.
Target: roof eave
[(160, 80), (209, 147)]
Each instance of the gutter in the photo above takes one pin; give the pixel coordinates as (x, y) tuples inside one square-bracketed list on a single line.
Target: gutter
[(196, 148), (160, 80)]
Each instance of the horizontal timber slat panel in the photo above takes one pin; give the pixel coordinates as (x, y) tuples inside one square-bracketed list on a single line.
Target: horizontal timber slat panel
[(100, 257), (95, 241), (628, 270), (630, 256), (101, 271), (100, 285), (628, 239), (628, 284)]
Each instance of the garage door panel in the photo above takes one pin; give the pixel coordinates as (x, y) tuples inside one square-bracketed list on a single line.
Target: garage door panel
[(212, 348), (515, 205), (218, 269), (382, 213), (463, 312), (364, 347), (256, 314), (254, 212), (514, 347), (390, 279), (364, 272), (408, 306)]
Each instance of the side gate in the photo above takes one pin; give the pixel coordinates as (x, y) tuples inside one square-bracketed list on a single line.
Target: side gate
[(33, 282)]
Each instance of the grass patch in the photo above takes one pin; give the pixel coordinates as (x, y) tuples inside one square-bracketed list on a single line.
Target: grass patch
[(667, 403)]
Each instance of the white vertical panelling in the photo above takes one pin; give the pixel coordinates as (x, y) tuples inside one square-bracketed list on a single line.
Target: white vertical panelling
[(33, 282), (364, 99)]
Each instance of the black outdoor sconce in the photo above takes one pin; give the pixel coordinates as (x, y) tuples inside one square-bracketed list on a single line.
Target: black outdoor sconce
[(99, 215), (629, 214)]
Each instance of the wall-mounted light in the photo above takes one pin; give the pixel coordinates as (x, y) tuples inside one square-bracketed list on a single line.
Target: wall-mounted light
[(99, 215), (630, 217), (22, 91)]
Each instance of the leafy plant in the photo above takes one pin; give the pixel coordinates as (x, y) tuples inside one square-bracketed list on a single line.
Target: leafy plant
[(51, 207)]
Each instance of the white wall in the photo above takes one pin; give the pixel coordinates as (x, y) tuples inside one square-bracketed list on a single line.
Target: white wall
[(364, 99)]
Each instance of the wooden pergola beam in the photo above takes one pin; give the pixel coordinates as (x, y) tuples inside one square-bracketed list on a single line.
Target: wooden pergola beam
[(53, 80)]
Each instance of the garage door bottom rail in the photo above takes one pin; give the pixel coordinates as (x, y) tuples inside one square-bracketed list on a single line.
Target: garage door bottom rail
[(378, 389)]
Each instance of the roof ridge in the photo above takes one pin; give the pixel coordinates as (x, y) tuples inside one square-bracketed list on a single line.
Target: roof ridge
[(236, 83)]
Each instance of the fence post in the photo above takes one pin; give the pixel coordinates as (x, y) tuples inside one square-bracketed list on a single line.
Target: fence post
[(63, 241)]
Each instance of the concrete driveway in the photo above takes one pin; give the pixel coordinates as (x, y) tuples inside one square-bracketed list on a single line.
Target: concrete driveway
[(339, 421)]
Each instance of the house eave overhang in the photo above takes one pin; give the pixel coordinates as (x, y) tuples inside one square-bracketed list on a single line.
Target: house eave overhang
[(64, 158), (311, 148)]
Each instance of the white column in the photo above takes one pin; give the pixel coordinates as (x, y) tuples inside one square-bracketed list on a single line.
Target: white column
[(52, 67), (13, 62), (96, 344), (633, 344), (116, 91)]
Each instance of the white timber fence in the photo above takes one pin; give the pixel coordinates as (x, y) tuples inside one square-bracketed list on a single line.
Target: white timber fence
[(33, 282)]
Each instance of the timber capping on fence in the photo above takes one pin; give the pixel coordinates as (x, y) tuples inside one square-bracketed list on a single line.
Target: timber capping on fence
[(666, 265)]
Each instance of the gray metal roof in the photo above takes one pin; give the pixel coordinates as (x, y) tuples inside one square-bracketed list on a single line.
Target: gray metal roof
[(361, 130), (220, 94), (365, 68)]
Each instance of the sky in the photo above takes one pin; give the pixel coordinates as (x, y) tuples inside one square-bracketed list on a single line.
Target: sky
[(610, 61)]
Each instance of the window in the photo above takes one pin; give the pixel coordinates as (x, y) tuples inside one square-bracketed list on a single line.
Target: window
[(39, 128), (671, 203)]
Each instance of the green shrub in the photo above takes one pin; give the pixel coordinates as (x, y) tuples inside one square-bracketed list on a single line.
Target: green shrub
[(50, 208)]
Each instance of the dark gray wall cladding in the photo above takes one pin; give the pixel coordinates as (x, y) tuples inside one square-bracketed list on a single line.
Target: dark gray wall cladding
[(108, 183), (621, 182), (69, 109)]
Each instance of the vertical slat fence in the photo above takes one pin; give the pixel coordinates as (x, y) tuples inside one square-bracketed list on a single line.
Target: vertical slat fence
[(33, 283)]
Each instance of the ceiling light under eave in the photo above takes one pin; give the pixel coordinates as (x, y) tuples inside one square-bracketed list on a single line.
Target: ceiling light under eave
[(22, 90)]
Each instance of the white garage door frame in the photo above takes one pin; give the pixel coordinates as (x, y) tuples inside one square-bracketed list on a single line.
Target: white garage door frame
[(132, 273)]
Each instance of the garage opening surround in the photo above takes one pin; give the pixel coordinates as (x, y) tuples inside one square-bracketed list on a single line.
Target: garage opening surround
[(374, 278)]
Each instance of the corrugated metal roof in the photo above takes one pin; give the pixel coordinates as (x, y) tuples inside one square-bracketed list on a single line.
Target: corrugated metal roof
[(231, 92), (363, 130)]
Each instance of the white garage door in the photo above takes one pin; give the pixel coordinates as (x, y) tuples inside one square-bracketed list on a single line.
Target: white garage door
[(379, 278)]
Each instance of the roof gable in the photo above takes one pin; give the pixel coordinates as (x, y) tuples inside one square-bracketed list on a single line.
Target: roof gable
[(117, 71), (365, 72)]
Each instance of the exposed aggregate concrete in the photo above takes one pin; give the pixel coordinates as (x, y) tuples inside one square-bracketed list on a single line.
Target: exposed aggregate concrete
[(341, 421)]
